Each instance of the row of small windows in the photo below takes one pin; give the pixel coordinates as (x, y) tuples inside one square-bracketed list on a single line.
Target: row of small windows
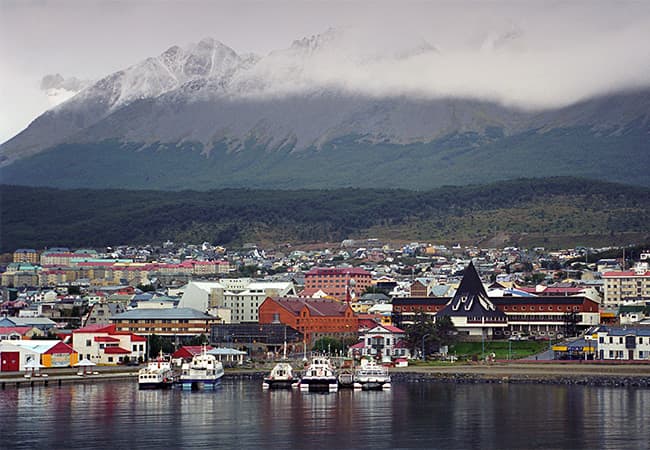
[(621, 340), (506, 308)]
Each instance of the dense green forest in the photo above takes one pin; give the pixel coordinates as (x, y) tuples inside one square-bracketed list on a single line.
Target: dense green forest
[(550, 212)]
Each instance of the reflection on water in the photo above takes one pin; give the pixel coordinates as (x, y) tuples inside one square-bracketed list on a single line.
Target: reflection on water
[(241, 415)]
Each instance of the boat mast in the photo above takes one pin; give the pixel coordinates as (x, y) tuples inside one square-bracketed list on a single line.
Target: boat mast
[(284, 355)]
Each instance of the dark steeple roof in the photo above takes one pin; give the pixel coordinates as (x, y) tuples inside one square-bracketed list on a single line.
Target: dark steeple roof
[(470, 299)]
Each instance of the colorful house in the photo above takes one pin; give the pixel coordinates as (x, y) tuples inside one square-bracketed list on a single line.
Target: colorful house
[(15, 355), (104, 345)]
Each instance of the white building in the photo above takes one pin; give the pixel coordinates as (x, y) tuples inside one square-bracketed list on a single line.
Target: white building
[(242, 296), (103, 345), (621, 287), (624, 343), (382, 341)]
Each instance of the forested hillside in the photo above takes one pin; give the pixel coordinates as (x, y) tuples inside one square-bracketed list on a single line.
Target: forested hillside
[(549, 212)]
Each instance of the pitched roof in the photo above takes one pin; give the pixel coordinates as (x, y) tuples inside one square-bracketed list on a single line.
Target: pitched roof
[(317, 306), (97, 328), (116, 351), (19, 330), (337, 271), (470, 299), (60, 347), (190, 350), (105, 339), (392, 329)]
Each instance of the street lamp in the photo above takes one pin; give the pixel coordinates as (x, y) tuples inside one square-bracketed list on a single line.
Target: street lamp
[(423, 338)]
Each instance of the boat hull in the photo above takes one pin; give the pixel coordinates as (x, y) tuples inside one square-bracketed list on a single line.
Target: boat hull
[(155, 385), (329, 384), (372, 385), (346, 380), (198, 385), (279, 384)]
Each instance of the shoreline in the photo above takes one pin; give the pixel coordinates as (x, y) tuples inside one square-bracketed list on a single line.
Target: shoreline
[(585, 374)]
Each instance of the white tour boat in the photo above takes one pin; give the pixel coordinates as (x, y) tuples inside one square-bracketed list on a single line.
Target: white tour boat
[(320, 375), (371, 376), (157, 374), (281, 377), (204, 371)]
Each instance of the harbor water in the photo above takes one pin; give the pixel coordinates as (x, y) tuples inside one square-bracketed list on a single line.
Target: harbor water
[(239, 414)]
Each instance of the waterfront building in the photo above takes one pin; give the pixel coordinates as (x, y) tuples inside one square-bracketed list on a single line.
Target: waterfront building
[(340, 282), (107, 345), (257, 337), (623, 343), (48, 353), (164, 321), (626, 286), (475, 314), (382, 341), (315, 318), (471, 310)]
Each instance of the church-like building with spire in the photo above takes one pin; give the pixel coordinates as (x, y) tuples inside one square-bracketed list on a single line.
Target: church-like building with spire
[(477, 315), (471, 310)]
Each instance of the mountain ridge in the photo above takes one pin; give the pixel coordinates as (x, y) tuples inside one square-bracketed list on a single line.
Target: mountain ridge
[(227, 107)]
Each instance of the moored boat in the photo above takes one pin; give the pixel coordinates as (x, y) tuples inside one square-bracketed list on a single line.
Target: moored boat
[(371, 376), (346, 378), (320, 375), (204, 371), (281, 377), (157, 374)]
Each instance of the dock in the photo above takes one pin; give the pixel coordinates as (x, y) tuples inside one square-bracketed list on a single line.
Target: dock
[(58, 377)]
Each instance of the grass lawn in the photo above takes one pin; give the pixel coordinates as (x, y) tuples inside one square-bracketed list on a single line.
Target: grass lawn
[(520, 349)]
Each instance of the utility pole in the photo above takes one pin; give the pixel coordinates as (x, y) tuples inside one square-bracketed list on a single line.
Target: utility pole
[(482, 343)]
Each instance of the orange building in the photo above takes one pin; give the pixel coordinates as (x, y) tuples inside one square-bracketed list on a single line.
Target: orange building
[(336, 280), (315, 318)]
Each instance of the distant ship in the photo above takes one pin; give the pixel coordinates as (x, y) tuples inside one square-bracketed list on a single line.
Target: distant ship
[(203, 372)]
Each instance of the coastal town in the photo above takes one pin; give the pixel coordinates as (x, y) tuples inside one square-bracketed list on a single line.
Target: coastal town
[(367, 300)]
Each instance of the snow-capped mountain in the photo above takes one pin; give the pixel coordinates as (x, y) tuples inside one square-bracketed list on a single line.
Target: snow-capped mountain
[(320, 95)]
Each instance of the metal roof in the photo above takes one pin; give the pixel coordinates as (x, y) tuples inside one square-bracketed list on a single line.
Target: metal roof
[(161, 313)]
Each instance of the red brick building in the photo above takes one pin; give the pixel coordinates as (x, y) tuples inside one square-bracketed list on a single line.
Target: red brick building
[(335, 280), (315, 318)]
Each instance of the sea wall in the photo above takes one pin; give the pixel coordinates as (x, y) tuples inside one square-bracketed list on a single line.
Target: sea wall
[(470, 378)]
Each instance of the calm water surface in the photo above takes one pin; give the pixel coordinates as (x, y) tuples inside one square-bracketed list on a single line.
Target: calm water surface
[(117, 415)]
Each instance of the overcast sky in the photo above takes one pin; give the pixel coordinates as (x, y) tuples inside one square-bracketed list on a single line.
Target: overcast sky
[(566, 49)]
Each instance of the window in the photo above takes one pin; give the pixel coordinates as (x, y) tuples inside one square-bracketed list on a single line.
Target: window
[(110, 359), (88, 343)]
